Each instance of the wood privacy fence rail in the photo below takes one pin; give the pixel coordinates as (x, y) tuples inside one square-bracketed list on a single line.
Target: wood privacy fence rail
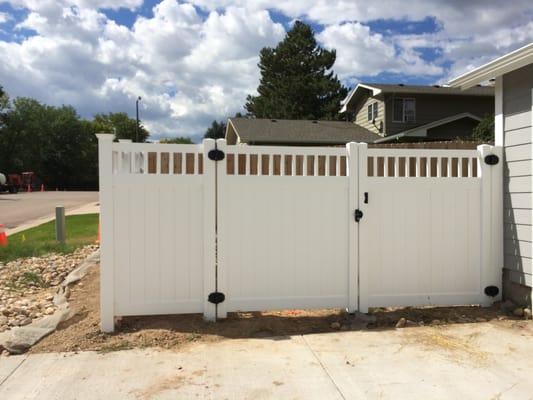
[(273, 227)]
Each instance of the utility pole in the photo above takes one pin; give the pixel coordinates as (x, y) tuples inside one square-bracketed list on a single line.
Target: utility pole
[(137, 126)]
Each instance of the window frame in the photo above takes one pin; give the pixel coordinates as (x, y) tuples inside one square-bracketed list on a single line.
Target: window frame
[(372, 111), (403, 99)]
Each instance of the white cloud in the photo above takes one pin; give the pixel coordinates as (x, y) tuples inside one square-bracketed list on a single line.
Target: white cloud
[(188, 69), (4, 17), (191, 66), (363, 53)]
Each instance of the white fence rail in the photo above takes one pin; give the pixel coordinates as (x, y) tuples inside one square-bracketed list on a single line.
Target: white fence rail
[(273, 227)]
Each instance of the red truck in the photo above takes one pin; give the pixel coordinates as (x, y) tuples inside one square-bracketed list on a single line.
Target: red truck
[(12, 183)]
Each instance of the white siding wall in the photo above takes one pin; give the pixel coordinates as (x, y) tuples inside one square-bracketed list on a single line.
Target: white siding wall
[(517, 87)]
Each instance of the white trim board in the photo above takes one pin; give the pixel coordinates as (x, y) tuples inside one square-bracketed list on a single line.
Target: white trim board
[(498, 67)]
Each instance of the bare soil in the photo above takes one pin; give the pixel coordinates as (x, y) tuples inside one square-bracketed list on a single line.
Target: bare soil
[(82, 331)]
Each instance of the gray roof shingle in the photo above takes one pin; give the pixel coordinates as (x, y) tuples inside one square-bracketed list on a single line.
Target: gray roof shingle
[(284, 131)]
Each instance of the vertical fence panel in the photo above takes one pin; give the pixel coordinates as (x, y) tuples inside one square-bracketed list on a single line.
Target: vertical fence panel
[(210, 196), (105, 161), (354, 153)]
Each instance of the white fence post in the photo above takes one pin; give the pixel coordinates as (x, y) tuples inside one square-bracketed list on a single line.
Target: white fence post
[(497, 221), (491, 221), (220, 272), (105, 168), (352, 167), (362, 274), (209, 229)]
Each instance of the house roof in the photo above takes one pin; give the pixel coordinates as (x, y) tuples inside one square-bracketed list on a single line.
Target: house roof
[(263, 131), (421, 131), (378, 88), (507, 63)]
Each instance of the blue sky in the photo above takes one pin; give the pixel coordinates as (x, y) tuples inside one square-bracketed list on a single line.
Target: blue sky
[(194, 61)]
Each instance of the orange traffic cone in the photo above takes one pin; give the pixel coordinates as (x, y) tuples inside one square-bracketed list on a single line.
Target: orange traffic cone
[(42, 187), (29, 188), (3, 236)]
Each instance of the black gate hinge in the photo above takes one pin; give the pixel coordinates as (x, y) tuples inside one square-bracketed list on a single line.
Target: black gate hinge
[(216, 155), (358, 214), (492, 159), (216, 297)]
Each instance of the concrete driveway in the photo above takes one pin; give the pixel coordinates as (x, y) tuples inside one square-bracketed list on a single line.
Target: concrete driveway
[(22, 208), (467, 361)]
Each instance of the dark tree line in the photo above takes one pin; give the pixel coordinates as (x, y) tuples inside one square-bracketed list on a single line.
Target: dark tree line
[(55, 143)]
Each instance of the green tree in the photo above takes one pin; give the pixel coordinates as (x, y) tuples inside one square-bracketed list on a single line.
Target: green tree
[(4, 100), (121, 125), (217, 130), (177, 140), (484, 131), (297, 81), (51, 141)]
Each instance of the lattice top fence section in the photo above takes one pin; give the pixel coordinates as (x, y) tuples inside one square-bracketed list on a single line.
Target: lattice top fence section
[(185, 159)]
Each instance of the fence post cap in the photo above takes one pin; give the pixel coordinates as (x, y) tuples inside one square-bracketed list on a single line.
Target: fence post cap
[(105, 136)]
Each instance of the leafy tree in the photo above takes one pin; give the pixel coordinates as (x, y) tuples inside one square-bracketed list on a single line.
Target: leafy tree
[(296, 79), (4, 100), (217, 130), (177, 140), (51, 141), (121, 125), (484, 131)]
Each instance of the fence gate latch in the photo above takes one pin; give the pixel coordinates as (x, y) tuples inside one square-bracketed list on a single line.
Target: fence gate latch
[(358, 214), (216, 297), (216, 155)]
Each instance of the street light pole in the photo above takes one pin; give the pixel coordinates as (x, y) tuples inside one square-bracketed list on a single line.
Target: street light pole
[(137, 126)]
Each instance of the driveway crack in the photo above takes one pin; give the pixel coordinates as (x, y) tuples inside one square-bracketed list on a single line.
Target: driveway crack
[(323, 367), (12, 372)]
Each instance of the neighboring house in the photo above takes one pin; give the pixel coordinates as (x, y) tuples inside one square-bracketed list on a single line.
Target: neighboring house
[(413, 112), (513, 130), (255, 131)]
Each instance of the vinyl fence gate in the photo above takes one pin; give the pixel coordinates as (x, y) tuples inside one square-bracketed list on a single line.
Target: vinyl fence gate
[(213, 229)]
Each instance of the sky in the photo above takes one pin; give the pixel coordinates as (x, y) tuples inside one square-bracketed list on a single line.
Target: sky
[(195, 61)]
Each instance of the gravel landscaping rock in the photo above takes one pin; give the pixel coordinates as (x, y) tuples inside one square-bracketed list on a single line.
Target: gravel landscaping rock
[(27, 285)]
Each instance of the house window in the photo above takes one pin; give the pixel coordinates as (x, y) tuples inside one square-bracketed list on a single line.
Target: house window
[(372, 111), (404, 110)]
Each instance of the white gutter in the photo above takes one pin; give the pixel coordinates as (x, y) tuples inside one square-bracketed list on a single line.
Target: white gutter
[(507, 63)]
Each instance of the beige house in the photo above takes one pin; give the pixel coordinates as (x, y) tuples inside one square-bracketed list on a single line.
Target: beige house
[(414, 112), (513, 74)]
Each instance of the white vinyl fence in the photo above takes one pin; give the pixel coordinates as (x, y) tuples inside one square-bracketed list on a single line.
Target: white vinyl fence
[(275, 227)]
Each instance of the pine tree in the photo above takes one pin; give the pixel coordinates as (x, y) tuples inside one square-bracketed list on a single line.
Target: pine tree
[(296, 79)]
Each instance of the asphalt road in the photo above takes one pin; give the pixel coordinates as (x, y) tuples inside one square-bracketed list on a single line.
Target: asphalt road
[(21, 208)]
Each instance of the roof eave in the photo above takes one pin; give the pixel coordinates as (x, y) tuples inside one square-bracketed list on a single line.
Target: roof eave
[(421, 131), (375, 91), (507, 63)]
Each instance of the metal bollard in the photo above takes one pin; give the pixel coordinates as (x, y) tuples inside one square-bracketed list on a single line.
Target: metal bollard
[(60, 224)]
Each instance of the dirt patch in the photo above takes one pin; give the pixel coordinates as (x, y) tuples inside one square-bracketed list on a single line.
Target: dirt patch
[(456, 348), (82, 332)]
